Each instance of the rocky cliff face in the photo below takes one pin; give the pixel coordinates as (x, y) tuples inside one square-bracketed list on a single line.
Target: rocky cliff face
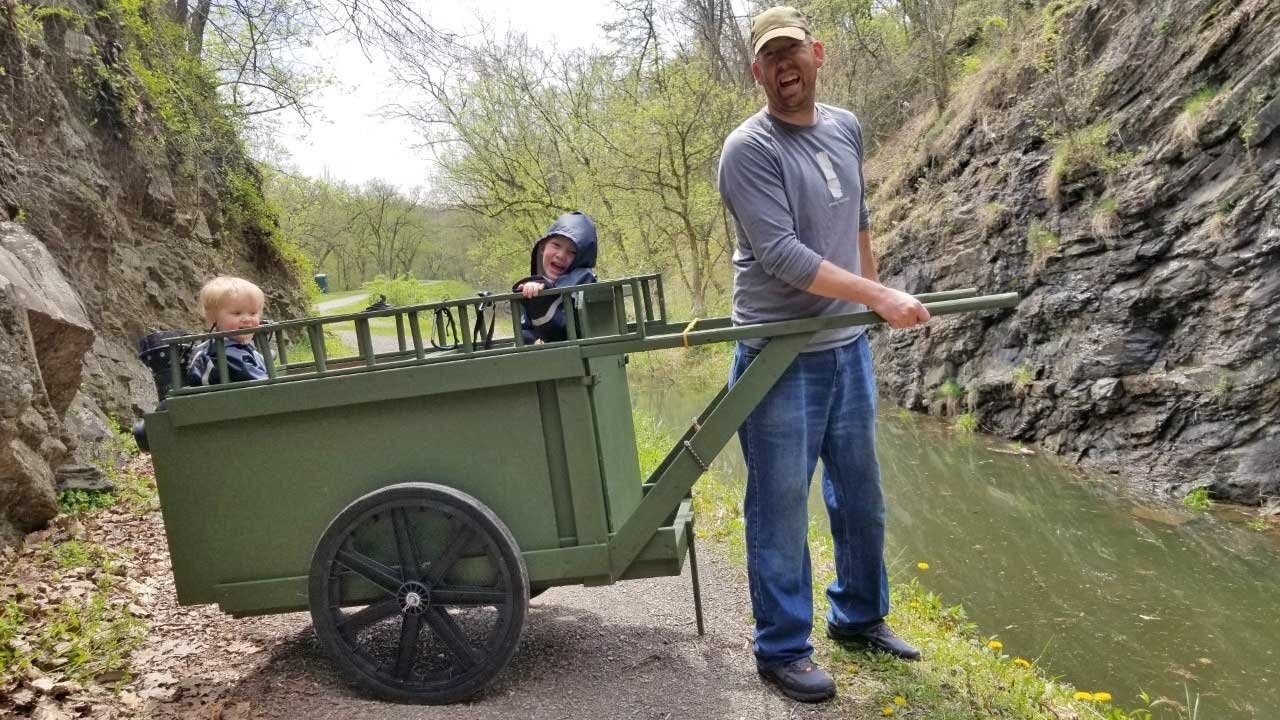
[(1120, 172), (115, 221)]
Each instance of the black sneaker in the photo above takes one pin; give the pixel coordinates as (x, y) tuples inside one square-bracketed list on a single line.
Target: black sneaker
[(876, 636), (801, 680)]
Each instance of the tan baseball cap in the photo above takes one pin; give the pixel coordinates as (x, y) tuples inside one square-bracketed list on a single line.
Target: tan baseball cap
[(779, 21)]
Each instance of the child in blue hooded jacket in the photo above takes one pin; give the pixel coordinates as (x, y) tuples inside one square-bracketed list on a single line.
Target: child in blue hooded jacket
[(564, 256)]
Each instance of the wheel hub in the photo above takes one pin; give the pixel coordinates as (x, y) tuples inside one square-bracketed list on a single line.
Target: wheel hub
[(414, 598)]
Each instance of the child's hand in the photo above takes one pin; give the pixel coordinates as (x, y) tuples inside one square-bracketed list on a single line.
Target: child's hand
[(530, 289)]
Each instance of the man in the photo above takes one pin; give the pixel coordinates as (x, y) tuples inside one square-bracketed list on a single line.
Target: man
[(791, 177)]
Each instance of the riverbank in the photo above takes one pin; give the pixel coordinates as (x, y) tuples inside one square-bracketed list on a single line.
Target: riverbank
[(965, 674)]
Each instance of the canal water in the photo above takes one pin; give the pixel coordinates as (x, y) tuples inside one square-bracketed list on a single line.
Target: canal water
[(1103, 588)]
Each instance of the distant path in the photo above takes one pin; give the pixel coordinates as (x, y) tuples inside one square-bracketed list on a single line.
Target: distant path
[(335, 303), (339, 302)]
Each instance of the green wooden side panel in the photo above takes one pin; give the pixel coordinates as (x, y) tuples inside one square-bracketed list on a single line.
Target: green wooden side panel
[(616, 437), (247, 498)]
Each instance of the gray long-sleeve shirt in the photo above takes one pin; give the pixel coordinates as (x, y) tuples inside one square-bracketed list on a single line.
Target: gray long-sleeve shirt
[(797, 197)]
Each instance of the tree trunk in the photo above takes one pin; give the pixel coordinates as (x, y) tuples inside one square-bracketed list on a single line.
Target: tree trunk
[(195, 43)]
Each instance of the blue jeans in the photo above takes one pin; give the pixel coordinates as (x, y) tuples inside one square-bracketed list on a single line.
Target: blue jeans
[(822, 406)]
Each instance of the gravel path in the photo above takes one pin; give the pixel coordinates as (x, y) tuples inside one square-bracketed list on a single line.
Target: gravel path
[(630, 650)]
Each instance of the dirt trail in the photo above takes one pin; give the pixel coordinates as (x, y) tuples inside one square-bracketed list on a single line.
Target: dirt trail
[(629, 650)]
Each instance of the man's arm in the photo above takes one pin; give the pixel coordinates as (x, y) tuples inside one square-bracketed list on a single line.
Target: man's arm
[(898, 309), (867, 258)]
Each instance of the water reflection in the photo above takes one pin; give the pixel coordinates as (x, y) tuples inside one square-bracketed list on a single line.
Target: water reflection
[(1109, 590)]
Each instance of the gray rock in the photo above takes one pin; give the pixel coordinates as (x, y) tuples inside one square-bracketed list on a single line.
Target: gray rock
[(82, 477), (59, 328)]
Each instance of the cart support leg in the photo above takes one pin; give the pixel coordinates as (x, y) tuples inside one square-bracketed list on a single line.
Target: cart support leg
[(693, 571)]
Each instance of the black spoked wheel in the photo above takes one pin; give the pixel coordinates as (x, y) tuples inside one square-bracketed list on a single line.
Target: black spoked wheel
[(419, 593)]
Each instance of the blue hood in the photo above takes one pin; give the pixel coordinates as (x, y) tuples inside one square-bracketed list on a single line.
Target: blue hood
[(577, 227)]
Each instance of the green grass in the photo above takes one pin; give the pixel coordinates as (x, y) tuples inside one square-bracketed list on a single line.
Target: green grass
[(1199, 102), (951, 390), (1194, 114), (991, 216), (1023, 375), (87, 636), (82, 636), (966, 423), (405, 290), (76, 501), (334, 347), (1198, 499), (1041, 242), (1079, 153), (964, 676)]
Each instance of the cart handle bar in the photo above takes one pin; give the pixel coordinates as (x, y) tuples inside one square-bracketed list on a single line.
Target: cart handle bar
[(677, 337)]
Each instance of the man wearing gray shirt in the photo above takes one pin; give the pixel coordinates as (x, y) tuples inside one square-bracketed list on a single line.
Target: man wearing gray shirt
[(791, 177)]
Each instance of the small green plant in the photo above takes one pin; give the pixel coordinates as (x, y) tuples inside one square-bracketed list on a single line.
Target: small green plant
[(1198, 499), (1249, 129), (1223, 386), (1041, 243), (1162, 25), (1105, 222), (88, 636), (334, 347), (1023, 375), (1258, 523), (951, 391), (966, 423), (1194, 113), (408, 290), (1079, 153), (22, 216), (76, 501), (12, 621), (137, 492), (992, 216)]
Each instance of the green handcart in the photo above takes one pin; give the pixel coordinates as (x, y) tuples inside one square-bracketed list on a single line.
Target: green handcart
[(413, 498)]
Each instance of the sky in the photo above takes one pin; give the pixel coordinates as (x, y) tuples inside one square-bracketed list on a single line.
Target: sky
[(347, 140)]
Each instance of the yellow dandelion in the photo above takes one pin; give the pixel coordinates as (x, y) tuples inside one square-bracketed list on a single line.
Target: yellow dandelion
[(899, 700), (887, 710), (1102, 697), (1083, 696), (915, 603), (922, 565), (1022, 662), (995, 645)]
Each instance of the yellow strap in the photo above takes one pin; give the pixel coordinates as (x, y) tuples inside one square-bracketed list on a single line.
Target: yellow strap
[(684, 337)]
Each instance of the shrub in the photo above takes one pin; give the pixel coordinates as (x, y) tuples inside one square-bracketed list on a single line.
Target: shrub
[(1077, 154), (1189, 122), (966, 423), (1105, 221), (1022, 377), (1041, 243), (408, 290), (992, 217), (1198, 499)]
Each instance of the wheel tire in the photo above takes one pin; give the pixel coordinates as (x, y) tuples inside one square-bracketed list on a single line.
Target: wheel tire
[(439, 632)]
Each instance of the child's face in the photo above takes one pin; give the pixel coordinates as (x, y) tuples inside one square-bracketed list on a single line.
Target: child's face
[(237, 313), (557, 255)]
